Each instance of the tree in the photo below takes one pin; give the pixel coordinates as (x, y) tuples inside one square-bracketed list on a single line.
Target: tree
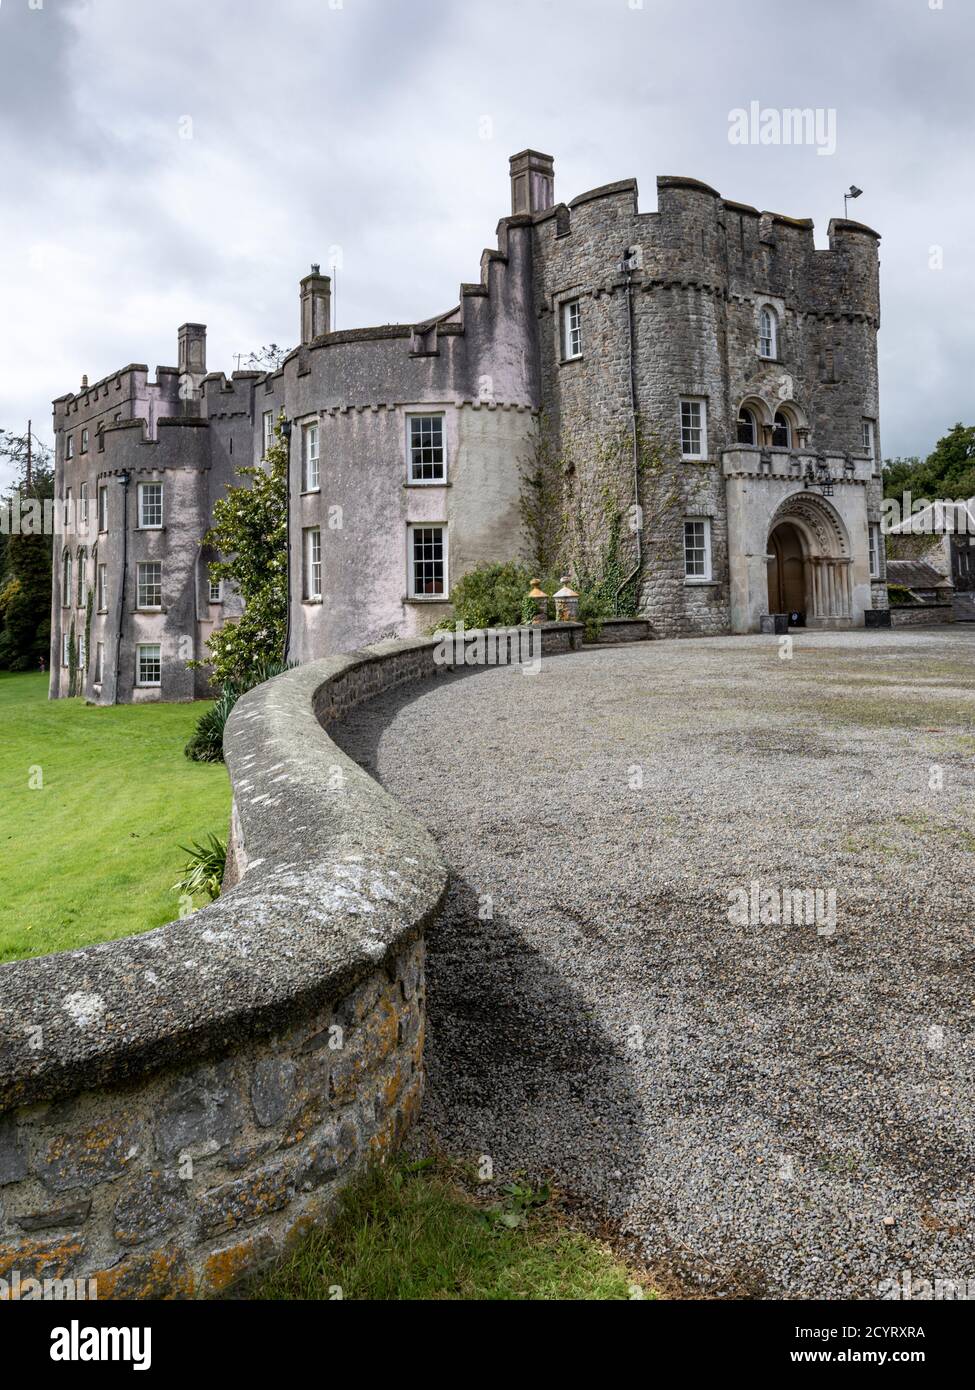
[(267, 358), (250, 530), (25, 558), (947, 472)]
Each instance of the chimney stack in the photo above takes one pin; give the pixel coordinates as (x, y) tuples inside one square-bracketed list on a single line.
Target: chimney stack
[(315, 291), (193, 349), (532, 181)]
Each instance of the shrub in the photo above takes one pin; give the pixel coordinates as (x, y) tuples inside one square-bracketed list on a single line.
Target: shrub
[(203, 870), (896, 593), (490, 596)]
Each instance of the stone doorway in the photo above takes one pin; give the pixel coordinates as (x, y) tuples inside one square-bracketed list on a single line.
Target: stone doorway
[(787, 587)]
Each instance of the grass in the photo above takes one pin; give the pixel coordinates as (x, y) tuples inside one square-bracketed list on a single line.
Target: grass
[(407, 1232), (96, 802)]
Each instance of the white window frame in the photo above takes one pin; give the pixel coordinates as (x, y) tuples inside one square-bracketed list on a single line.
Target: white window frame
[(83, 505), (752, 415), (771, 338), (67, 577), (790, 434), (706, 576), (311, 476), (701, 428), (82, 576), (141, 585), (411, 531), (82, 653), (102, 507), (150, 525), (311, 564), (413, 463), (66, 648), (215, 591), (868, 436), (101, 589), (267, 432), (873, 546), (68, 510), (69, 446), (147, 647), (99, 663), (571, 330), (84, 441)]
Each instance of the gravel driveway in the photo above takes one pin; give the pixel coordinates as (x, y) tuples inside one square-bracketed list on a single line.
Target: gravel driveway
[(766, 1107)]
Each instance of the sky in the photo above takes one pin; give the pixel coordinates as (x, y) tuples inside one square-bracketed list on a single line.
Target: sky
[(166, 161)]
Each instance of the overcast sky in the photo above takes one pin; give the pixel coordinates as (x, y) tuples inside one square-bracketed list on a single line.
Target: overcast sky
[(173, 160)]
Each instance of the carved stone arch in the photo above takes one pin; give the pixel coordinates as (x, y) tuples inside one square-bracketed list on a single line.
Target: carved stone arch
[(818, 522)]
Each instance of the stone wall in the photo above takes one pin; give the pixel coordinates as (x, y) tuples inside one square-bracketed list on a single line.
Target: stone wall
[(176, 1107), (920, 614)]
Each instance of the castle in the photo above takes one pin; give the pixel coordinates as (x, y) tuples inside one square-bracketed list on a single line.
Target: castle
[(691, 391)]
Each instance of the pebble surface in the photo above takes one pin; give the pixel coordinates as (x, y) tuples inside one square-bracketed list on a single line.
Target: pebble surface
[(761, 1107)]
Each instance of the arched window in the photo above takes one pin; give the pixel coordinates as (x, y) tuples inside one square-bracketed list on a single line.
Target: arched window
[(747, 428), (767, 333), (66, 579), (781, 431)]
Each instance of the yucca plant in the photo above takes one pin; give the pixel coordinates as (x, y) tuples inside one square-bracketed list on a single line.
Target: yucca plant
[(206, 745), (203, 870)]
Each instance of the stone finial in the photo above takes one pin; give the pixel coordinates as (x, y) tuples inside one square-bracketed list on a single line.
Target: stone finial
[(532, 181), (566, 602), (539, 598)]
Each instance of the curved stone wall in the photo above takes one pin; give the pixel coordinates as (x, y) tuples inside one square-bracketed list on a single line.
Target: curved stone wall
[(175, 1106)]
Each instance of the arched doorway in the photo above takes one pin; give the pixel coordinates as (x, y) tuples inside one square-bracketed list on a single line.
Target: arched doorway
[(786, 571), (809, 562)]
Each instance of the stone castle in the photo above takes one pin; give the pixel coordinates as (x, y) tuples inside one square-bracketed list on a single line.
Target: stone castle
[(692, 393)]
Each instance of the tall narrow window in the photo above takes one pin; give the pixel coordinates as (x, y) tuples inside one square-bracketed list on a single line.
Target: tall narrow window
[(66, 579), (101, 589), (84, 441), (216, 590), (781, 431), (99, 662), (697, 549), (103, 508), (767, 333), (68, 510), (69, 447), (83, 506), (150, 506), (149, 584), (82, 652), (82, 560), (867, 436), (148, 667), (66, 649), (747, 428), (571, 329), (693, 429), (312, 563), (428, 456), (310, 473), (428, 561), (874, 536), (267, 432)]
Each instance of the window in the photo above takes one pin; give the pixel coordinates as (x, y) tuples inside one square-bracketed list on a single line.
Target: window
[(101, 588), (781, 431), (68, 510), (149, 584), (69, 447), (747, 428), (311, 541), (66, 579), (867, 436), (697, 549), (148, 667), (83, 505), (66, 649), (99, 662), (428, 561), (693, 430), (84, 441), (767, 333), (571, 330), (82, 557), (874, 536), (427, 455), (267, 432), (150, 506), (103, 509), (82, 652), (309, 457), (216, 591)]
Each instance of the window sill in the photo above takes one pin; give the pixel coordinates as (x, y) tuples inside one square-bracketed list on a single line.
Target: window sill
[(310, 492), (313, 602), (694, 458), (565, 361), (150, 528), (425, 598), (772, 361), (701, 583), (427, 482), (101, 612), (148, 685), (148, 610)]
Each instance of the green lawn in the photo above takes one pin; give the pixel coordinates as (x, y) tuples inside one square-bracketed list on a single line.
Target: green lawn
[(408, 1232), (93, 852)]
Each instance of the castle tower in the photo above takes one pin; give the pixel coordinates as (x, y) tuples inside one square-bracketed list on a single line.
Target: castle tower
[(532, 181)]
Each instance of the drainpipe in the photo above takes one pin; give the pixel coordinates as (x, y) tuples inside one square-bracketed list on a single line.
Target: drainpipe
[(123, 478), (626, 265), (286, 435)]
